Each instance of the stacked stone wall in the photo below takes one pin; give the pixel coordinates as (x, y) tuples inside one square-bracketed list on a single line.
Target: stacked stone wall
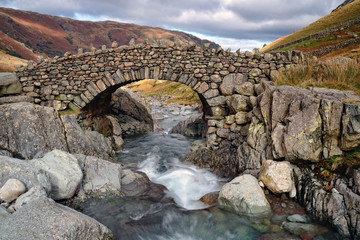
[(73, 81)]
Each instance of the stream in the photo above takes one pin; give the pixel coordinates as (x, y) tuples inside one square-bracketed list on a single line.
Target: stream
[(160, 155)]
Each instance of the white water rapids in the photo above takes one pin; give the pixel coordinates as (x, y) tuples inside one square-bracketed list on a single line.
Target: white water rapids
[(186, 184)]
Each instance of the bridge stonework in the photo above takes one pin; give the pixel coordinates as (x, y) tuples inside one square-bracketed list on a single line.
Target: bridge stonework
[(226, 82)]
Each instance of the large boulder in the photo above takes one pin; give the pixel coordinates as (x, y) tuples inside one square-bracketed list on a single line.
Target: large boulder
[(23, 171), (134, 113), (64, 171), (100, 176), (278, 177), (27, 130), (45, 219), (244, 196), (86, 142)]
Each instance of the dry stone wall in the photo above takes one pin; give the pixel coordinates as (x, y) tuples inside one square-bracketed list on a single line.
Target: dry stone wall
[(73, 81)]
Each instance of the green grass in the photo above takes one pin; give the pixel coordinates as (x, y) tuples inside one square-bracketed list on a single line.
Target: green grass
[(340, 16), (339, 164), (335, 76)]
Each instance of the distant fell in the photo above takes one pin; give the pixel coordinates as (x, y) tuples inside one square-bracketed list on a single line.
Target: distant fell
[(45, 34), (335, 34)]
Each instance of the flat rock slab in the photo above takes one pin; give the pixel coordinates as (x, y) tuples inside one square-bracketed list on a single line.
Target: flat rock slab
[(45, 219)]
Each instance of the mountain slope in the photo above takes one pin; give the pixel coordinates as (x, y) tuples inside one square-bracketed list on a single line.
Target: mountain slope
[(313, 38), (53, 36)]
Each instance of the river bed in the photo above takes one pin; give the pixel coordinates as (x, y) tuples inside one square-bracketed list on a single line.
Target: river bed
[(160, 155)]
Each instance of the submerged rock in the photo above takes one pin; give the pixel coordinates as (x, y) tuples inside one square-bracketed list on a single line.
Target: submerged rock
[(45, 219), (244, 196)]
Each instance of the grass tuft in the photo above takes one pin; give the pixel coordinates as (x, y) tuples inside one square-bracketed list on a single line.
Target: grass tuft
[(341, 76)]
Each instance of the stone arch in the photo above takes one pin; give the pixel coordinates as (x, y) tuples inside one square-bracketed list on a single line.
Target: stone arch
[(74, 81)]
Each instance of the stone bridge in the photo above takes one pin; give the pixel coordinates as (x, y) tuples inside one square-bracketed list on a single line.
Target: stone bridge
[(226, 82)]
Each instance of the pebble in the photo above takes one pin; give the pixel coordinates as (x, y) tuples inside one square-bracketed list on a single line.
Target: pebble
[(283, 205)]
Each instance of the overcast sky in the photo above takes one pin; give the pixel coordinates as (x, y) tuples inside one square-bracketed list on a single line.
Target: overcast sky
[(244, 24)]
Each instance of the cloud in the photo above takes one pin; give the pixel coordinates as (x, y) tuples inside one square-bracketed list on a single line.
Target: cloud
[(232, 21)]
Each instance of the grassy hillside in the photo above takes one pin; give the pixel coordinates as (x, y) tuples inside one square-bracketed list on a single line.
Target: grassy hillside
[(340, 16), (335, 75), (53, 35), (180, 93), (8, 62)]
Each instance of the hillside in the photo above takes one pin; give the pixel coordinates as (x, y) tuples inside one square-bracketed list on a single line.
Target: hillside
[(8, 62), (51, 35), (325, 36)]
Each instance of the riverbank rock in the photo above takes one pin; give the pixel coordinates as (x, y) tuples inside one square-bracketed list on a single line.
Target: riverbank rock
[(35, 193), (133, 113), (11, 190), (191, 127), (29, 131), (222, 161), (3, 213), (45, 219), (64, 172), (23, 171), (244, 196), (100, 176), (278, 177), (341, 203), (85, 142)]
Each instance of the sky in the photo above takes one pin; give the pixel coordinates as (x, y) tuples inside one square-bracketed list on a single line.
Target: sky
[(244, 24)]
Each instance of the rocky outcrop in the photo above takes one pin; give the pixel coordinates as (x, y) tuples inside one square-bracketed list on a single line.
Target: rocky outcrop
[(337, 204), (134, 116), (299, 124), (45, 219), (244, 196), (28, 131), (346, 2), (191, 127)]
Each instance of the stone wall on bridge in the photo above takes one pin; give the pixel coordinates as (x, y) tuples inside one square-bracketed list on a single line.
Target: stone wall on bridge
[(226, 82)]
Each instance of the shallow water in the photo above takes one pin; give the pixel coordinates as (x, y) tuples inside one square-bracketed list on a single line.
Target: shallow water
[(160, 156)]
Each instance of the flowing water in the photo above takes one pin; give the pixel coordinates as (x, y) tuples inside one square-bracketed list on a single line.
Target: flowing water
[(160, 156)]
